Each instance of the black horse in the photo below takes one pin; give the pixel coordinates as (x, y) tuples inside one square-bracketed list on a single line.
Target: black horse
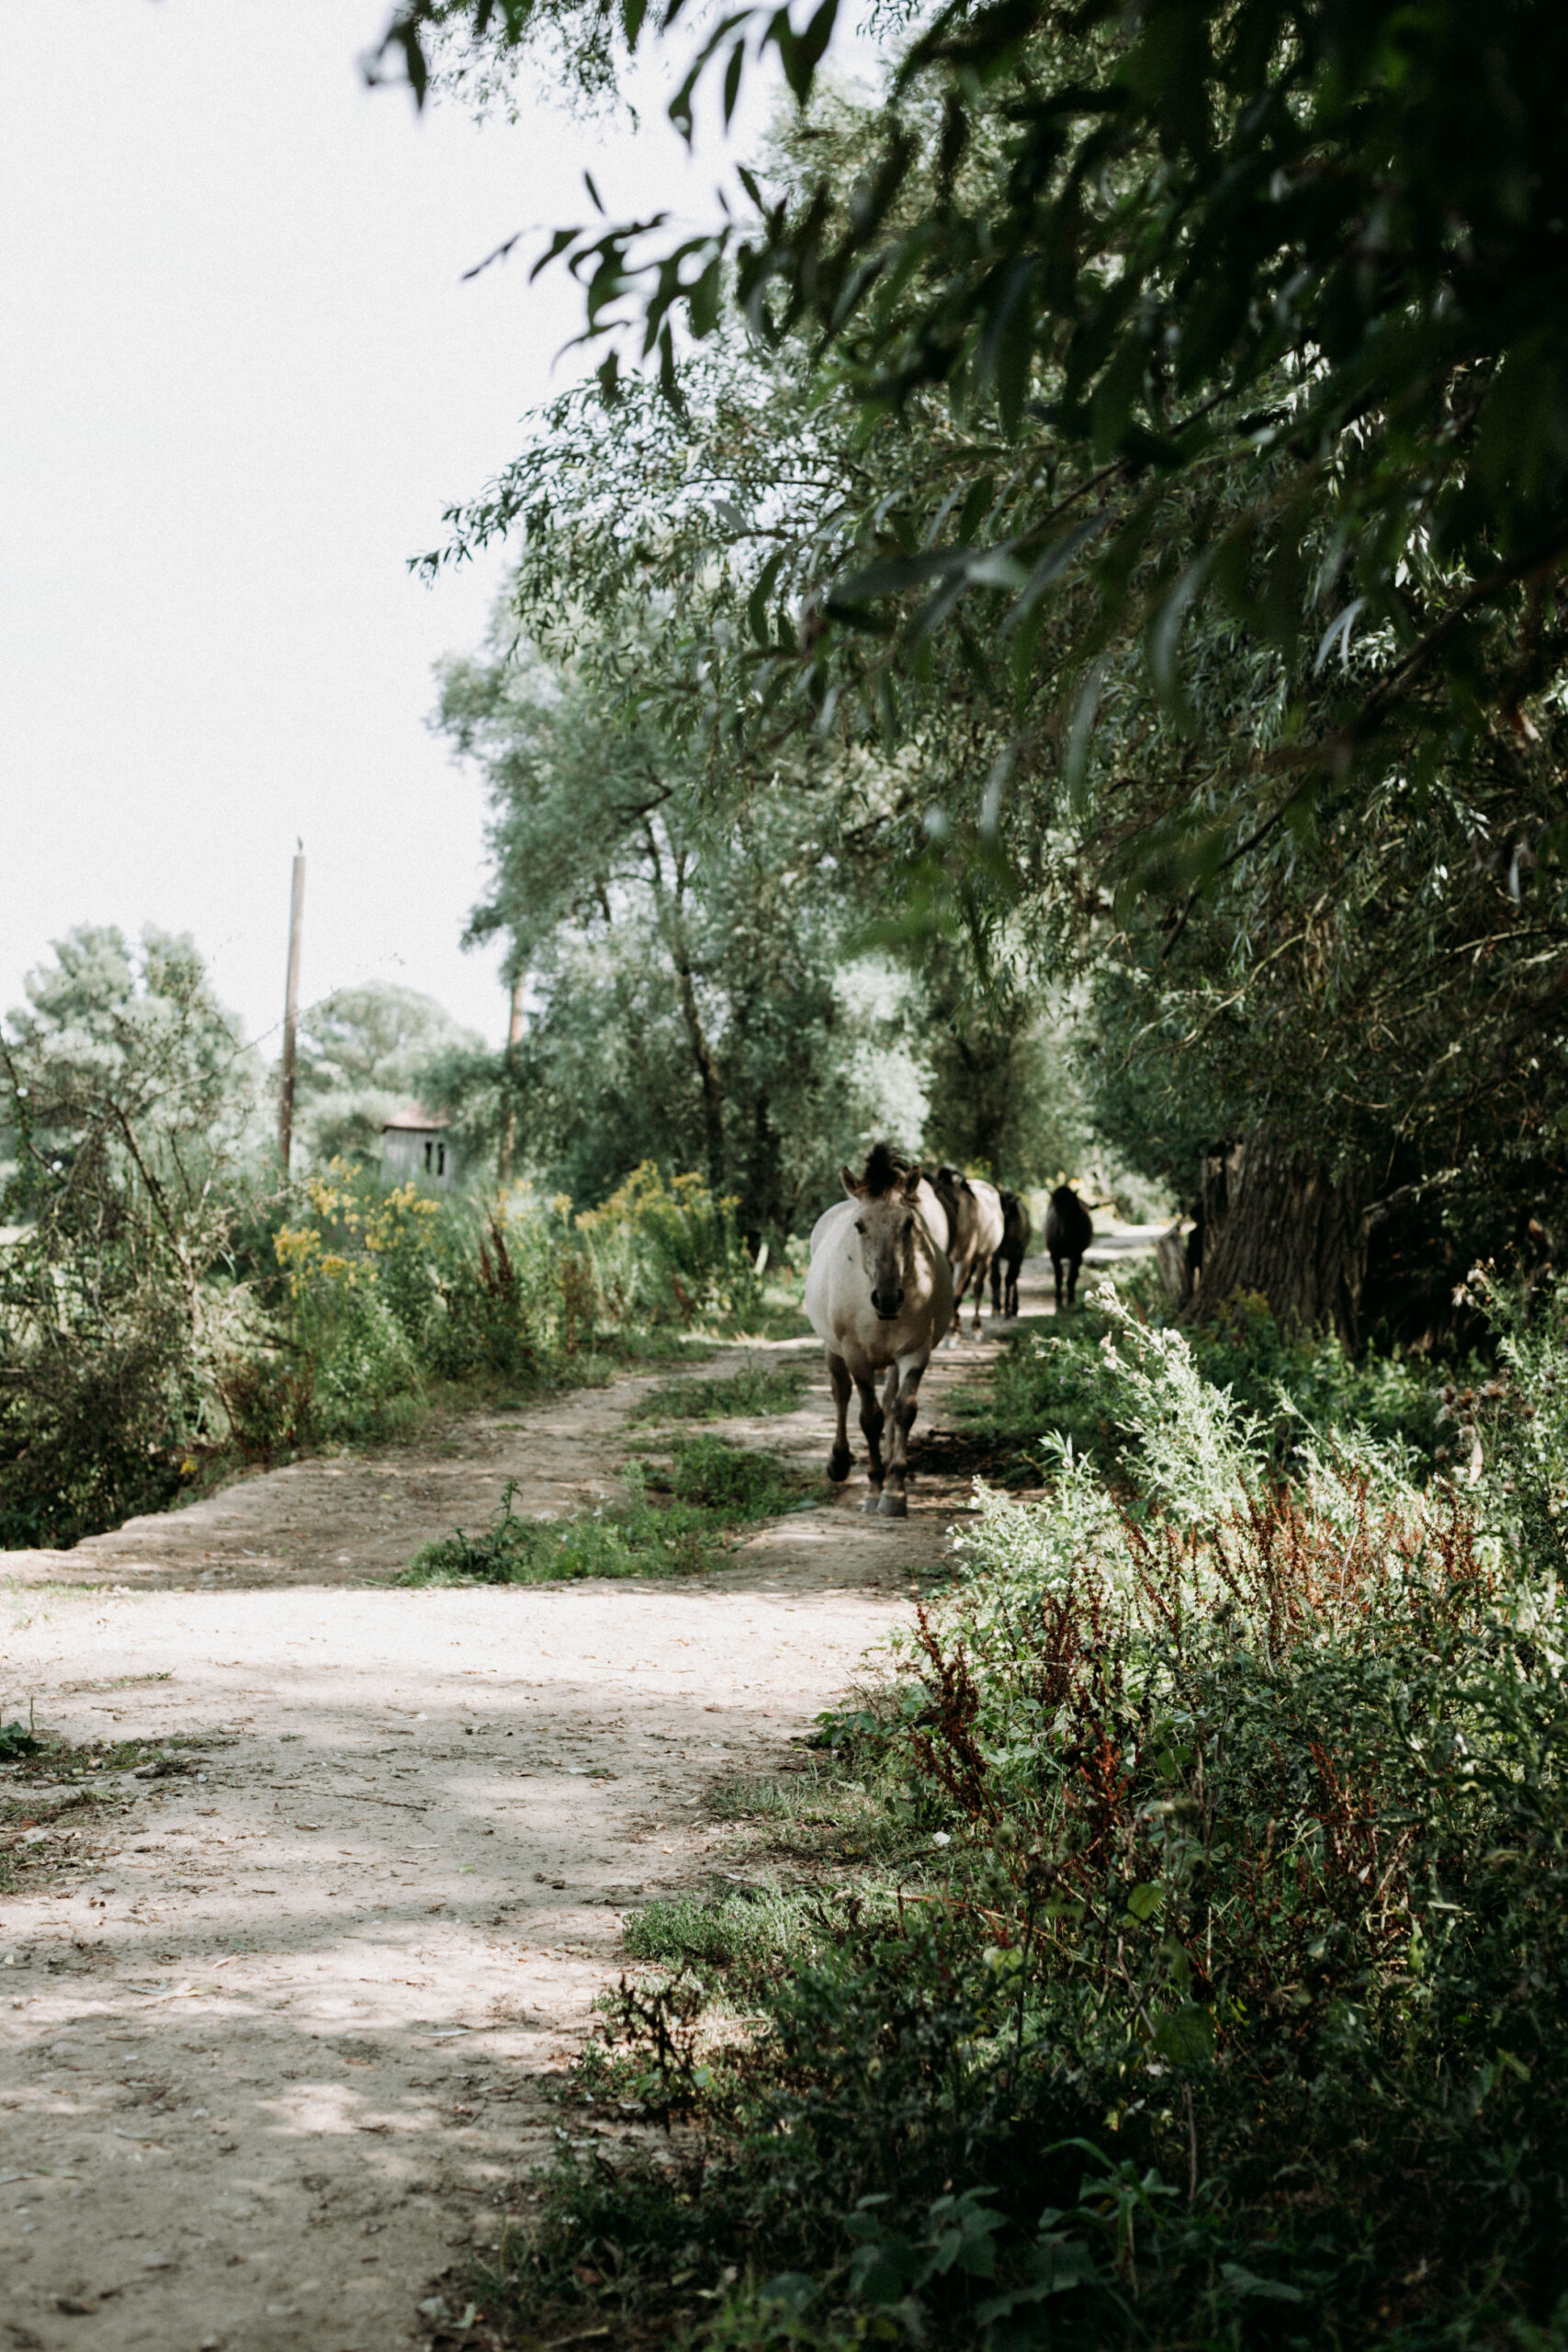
[(1069, 1230), (1009, 1257)]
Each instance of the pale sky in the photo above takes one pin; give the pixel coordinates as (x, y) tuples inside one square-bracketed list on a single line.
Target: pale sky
[(240, 377)]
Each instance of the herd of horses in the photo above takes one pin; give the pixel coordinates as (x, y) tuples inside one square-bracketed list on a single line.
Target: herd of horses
[(890, 1267)]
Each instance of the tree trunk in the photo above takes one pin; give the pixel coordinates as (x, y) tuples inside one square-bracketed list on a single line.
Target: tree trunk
[(760, 1198), (1281, 1226), (1170, 1257), (672, 906), (713, 1093)]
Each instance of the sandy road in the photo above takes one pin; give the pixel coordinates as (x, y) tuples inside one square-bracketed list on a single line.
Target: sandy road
[(280, 2035)]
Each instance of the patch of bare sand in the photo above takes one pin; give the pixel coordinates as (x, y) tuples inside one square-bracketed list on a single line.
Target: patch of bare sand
[(281, 2039)]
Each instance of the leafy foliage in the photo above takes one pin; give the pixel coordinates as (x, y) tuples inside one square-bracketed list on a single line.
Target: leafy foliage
[(170, 1307), (1134, 437), (1308, 255), (1062, 1385), (128, 1095), (686, 960), (1219, 1995)]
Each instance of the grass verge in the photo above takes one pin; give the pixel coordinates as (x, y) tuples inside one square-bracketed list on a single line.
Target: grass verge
[(728, 1396), (679, 1519)]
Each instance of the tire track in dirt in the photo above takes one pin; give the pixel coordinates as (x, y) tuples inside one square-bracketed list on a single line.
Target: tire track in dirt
[(279, 2028)]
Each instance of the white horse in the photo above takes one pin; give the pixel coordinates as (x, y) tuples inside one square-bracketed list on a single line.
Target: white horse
[(879, 1295)]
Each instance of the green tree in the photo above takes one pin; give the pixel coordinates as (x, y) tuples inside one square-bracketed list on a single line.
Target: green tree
[(685, 955), (1150, 436), (363, 1052), (130, 1107), (1228, 299)]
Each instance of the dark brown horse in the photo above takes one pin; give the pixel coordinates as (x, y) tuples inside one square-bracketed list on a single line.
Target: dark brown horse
[(1010, 1256), (1069, 1230)]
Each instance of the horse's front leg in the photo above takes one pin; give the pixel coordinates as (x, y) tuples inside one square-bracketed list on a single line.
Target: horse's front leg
[(959, 1284), (838, 1461), (982, 1266), (871, 1417), (890, 1403), (894, 1502)]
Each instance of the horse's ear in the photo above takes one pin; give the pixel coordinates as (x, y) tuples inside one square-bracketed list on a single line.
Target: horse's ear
[(850, 1186), (912, 1183)]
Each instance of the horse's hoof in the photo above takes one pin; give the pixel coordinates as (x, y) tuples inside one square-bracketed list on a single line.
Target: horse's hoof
[(872, 1505), (894, 1506), (839, 1466)]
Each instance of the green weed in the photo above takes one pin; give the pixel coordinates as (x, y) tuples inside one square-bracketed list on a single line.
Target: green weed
[(18, 1739), (726, 1397), (761, 1928), (734, 1481), (678, 1520), (1054, 1384)]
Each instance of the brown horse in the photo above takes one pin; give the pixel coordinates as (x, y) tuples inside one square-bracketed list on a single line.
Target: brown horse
[(1010, 1256), (878, 1295), (974, 1210)]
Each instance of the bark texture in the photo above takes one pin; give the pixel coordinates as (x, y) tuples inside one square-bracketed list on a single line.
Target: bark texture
[(1275, 1223)]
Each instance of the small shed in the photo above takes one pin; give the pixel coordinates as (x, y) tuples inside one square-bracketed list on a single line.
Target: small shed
[(414, 1143)]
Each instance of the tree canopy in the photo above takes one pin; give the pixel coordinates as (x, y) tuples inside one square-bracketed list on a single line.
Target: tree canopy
[(696, 996), (363, 1052), (1225, 299), (1140, 431)]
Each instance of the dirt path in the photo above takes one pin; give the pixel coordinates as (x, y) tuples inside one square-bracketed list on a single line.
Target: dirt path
[(281, 2034)]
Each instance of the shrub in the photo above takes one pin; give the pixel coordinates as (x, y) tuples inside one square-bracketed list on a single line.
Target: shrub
[(1057, 1384), (124, 1098), (99, 1409), (1227, 2002), (388, 1288), (667, 1249)]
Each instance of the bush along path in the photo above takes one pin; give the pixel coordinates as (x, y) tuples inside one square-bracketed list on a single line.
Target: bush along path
[(1168, 1954), (331, 1805)]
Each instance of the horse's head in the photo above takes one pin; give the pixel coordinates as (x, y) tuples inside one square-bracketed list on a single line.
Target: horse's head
[(885, 1233)]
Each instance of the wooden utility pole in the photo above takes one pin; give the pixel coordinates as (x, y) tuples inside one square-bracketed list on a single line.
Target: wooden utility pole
[(509, 1123), (291, 1011)]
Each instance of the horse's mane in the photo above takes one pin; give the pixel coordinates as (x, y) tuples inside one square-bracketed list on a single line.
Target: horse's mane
[(884, 1171)]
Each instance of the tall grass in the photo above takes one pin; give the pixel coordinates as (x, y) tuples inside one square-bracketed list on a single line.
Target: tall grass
[(385, 1297)]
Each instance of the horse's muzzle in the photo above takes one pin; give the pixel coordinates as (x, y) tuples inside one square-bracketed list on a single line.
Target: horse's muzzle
[(885, 1312)]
